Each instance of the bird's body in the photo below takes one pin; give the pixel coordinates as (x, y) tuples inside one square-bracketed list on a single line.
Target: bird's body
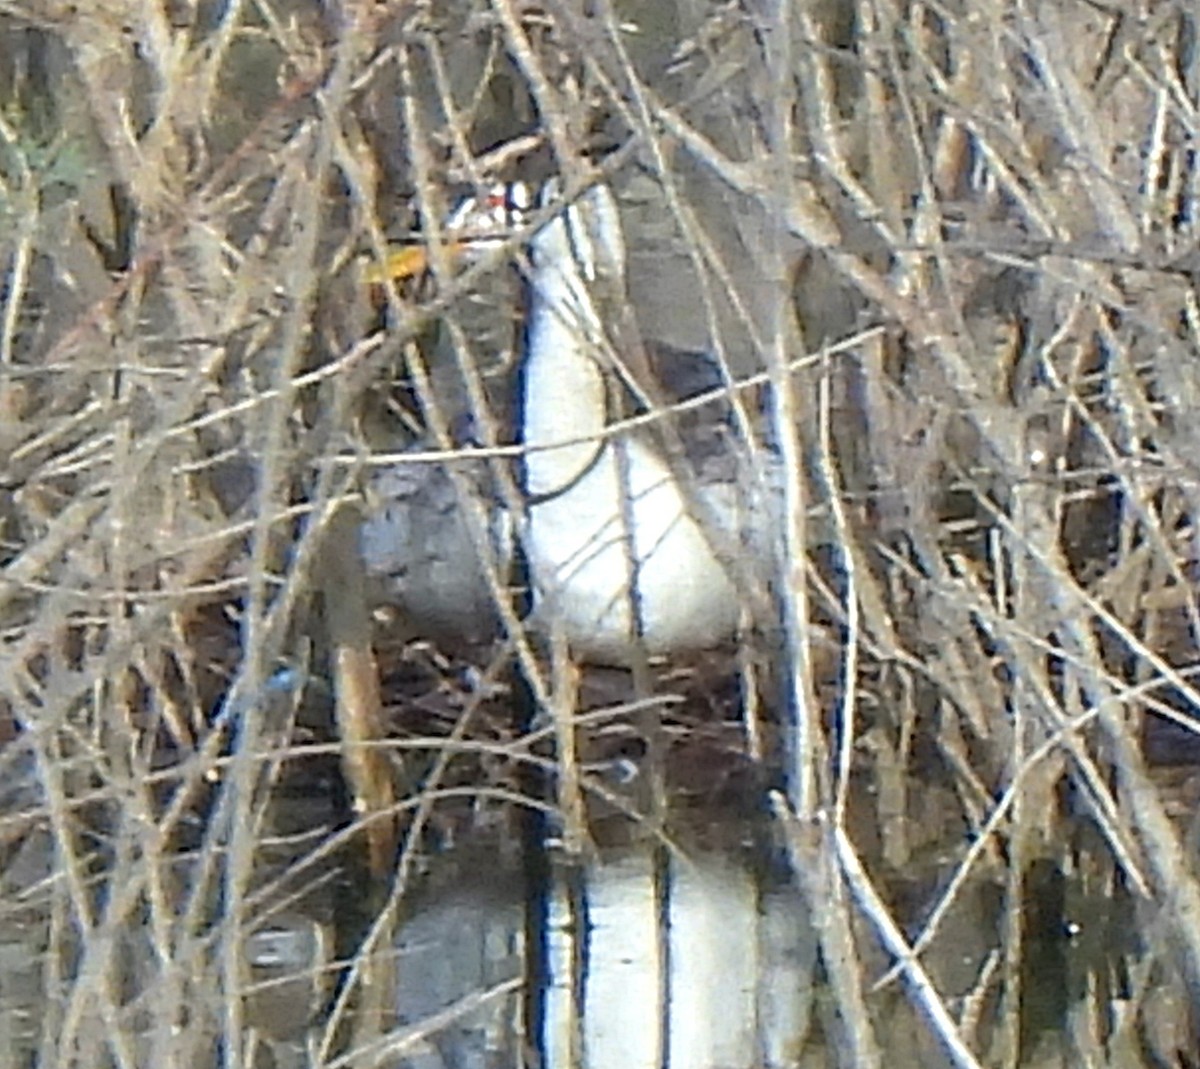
[(615, 554), (416, 540), (618, 560)]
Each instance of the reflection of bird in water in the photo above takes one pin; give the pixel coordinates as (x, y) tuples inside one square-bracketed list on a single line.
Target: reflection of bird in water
[(617, 548)]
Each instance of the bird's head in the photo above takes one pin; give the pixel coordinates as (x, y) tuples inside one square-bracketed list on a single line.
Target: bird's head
[(582, 238), (481, 221)]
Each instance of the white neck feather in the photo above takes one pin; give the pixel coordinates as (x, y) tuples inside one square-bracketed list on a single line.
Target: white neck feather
[(595, 512), (564, 386)]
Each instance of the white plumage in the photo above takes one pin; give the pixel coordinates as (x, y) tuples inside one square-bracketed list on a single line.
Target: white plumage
[(615, 554), (613, 551)]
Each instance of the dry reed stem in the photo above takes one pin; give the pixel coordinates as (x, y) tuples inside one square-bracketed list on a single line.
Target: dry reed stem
[(985, 415)]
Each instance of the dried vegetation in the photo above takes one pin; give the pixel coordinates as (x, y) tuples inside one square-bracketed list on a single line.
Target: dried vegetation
[(947, 247)]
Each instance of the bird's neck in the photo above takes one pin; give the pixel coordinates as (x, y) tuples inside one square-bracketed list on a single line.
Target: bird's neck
[(564, 391)]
